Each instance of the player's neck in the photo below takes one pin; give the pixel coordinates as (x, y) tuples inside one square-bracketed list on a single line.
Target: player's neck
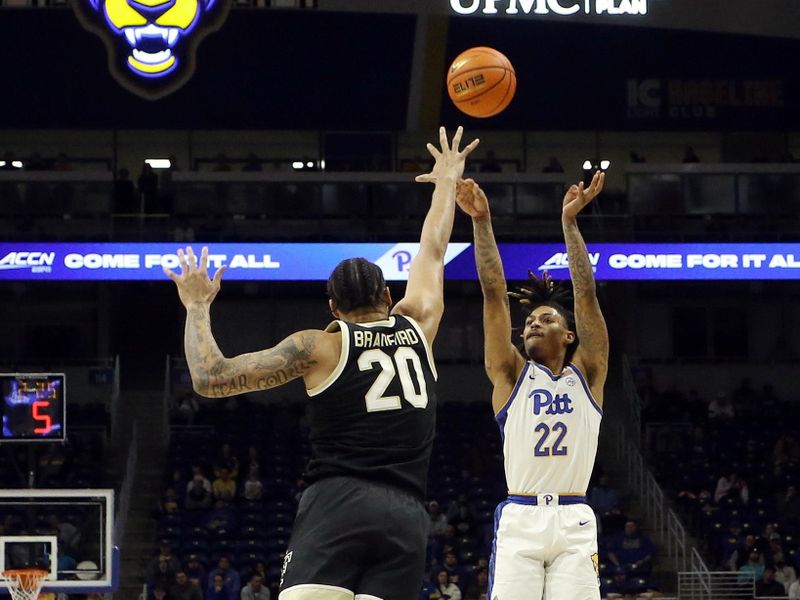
[(367, 316), (554, 364)]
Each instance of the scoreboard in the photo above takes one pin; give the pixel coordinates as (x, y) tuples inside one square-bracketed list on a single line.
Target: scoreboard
[(32, 407)]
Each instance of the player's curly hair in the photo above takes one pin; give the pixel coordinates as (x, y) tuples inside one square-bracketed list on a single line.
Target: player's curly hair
[(544, 291), (356, 283)]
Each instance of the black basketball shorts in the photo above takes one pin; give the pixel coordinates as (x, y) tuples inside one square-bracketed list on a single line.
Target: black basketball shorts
[(364, 537)]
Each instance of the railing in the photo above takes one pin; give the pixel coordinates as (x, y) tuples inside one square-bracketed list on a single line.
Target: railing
[(701, 584), (126, 488), (656, 511)]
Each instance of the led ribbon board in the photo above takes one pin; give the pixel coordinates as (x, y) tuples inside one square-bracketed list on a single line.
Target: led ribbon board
[(151, 44), (45, 261), (564, 8)]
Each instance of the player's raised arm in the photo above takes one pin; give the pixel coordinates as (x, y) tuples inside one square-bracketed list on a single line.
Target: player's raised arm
[(592, 354), (502, 360), (215, 376), (424, 299)]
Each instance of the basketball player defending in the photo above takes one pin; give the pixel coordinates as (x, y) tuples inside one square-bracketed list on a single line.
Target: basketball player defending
[(548, 405), (361, 528)]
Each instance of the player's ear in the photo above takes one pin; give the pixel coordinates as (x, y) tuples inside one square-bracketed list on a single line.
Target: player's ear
[(334, 310), (387, 296), (569, 337)]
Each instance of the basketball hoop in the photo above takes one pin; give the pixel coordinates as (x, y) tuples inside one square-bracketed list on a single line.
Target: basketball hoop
[(24, 584)]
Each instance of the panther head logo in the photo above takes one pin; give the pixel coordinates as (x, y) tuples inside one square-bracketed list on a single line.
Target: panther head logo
[(152, 43)]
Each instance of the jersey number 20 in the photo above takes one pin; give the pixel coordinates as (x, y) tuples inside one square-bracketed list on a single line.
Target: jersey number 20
[(391, 367)]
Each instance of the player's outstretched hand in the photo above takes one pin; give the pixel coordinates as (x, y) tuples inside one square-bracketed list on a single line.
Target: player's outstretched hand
[(471, 199), (193, 283), (577, 197), (449, 160)]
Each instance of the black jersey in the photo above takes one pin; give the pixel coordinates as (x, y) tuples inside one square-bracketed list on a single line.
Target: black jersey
[(374, 417)]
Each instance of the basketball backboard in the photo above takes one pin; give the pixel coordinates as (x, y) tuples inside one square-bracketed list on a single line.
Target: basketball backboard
[(69, 533)]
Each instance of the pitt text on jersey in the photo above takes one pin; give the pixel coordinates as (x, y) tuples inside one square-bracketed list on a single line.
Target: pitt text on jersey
[(371, 339), (561, 404)]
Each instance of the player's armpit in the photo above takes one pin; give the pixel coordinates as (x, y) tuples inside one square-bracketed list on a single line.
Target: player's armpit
[(294, 357)]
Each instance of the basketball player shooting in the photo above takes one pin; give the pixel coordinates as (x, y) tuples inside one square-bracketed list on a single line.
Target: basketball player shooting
[(361, 527), (548, 404)]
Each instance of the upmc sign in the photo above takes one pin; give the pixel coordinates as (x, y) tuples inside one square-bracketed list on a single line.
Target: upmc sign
[(547, 7)]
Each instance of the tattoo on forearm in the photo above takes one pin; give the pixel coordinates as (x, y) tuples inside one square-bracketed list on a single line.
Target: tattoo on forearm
[(290, 359), (592, 330), (580, 267), (487, 257), (215, 376)]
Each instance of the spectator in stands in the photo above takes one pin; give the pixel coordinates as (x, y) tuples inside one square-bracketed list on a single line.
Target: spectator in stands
[(197, 470), (252, 163), (158, 592), (169, 502), (165, 553), (464, 520), (196, 572), (438, 524), (224, 487), (162, 577), (788, 507), (768, 587), (632, 550), (794, 591), (770, 403), (183, 589), (186, 407), (479, 586), (253, 489), (619, 587), (69, 536), (253, 459), (198, 497), (230, 579), (603, 498), (226, 460), (553, 166), (754, 565), (720, 408), (784, 573), (731, 486), (255, 590), (455, 572), (730, 543), (218, 590), (445, 588), (490, 164), (124, 195), (148, 187), (221, 518), (742, 554), (690, 156)]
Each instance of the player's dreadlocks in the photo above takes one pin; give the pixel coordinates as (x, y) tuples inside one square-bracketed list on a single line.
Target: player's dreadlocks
[(356, 283), (543, 291)]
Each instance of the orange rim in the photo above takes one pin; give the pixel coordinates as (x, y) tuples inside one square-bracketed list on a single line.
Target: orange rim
[(25, 578)]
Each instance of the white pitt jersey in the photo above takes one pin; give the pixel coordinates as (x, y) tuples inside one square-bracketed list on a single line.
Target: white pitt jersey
[(550, 427)]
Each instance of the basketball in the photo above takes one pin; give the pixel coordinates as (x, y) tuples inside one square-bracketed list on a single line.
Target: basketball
[(481, 82)]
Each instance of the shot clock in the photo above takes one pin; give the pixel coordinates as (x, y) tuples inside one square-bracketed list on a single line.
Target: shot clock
[(32, 407)]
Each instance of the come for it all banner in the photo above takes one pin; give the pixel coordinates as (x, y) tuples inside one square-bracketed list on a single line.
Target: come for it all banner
[(32, 261)]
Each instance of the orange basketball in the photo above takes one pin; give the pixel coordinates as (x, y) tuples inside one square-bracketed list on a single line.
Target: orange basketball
[(481, 82)]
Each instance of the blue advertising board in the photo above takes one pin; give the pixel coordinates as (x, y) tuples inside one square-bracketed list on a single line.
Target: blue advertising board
[(46, 261)]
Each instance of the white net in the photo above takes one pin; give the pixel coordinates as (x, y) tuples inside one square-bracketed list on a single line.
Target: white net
[(24, 584)]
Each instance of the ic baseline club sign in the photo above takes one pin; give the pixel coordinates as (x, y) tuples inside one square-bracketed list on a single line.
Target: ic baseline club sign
[(43, 261)]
